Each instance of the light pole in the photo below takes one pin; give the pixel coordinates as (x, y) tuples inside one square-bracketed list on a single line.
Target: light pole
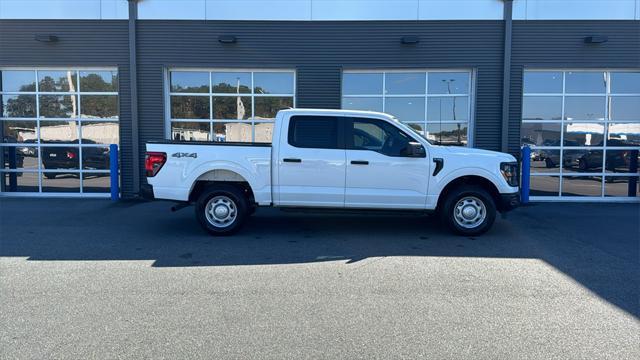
[(448, 82)]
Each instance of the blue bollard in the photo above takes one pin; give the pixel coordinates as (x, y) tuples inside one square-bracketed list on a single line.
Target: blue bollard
[(526, 172), (113, 164)]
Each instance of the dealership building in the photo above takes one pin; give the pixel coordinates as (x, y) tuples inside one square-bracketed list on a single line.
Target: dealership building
[(561, 76)]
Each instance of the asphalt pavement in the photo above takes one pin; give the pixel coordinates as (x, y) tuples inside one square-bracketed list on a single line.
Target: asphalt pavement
[(91, 279)]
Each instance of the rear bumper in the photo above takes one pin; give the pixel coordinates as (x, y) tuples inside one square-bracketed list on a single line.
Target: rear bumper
[(508, 202), (146, 192)]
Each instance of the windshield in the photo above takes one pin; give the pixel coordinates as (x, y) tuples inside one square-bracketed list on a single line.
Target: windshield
[(415, 131)]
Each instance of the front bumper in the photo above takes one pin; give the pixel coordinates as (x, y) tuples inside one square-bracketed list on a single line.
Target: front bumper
[(146, 192), (508, 202)]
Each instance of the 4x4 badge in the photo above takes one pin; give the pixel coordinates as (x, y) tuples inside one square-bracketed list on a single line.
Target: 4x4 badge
[(181, 155)]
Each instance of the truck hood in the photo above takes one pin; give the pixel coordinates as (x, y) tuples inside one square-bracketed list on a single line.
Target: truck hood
[(472, 152)]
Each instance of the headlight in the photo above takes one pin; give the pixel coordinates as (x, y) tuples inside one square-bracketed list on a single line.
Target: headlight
[(510, 173)]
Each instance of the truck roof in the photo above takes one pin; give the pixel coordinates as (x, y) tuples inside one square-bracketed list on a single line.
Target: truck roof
[(339, 112)]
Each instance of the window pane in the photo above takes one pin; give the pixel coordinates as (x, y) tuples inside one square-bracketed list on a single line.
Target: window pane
[(189, 107), (20, 181), (622, 161), (99, 81), (231, 107), (20, 157), (625, 108), (95, 157), (405, 108), (362, 103), (189, 82), (231, 82), (22, 106), (60, 157), (625, 82), (583, 134), (57, 80), (99, 106), (368, 135), (447, 134), (263, 132), (362, 84), (18, 80), (542, 108), (268, 107), (190, 131), (536, 82), (96, 182), (419, 128), (545, 161), (544, 186), (100, 132), (581, 186), (624, 134), (580, 82), (541, 134), (448, 109), (314, 132), (582, 161), (584, 107), (448, 83), (405, 83), (273, 83), (19, 131), (58, 106), (59, 131), (622, 186), (232, 131), (60, 182)]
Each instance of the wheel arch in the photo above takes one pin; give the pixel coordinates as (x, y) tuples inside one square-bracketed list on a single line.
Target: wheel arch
[(221, 175), (467, 180)]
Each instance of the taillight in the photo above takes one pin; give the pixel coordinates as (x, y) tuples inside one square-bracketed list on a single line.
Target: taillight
[(71, 155), (153, 162)]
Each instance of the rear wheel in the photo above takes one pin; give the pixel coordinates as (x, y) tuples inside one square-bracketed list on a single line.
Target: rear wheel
[(469, 210), (221, 209)]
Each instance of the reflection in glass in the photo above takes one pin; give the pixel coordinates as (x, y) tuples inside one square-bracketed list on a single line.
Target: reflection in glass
[(60, 157), (537, 82), (447, 134), (18, 80), (273, 83), (100, 132), (448, 83), (99, 81), (19, 106), (362, 84), (20, 181), (58, 106), (99, 106), (20, 157), (267, 107), (231, 82), (540, 134), (585, 82), (544, 186), (232, 131), (362, 103), (96, 182), (545, 161), (59, 131), (405, 108), (584, 107), (231, 107), (625, 82), (542, 108), (19, 131), (190, 131), (448, 109), (622, 186), (418, 127), (581, 186), (190, 107), (263, 132), (61, 182), (583, 134), (189, 82), (624, 134), (57, 81), (625, 108), (582, 161), (95, 158), (622, 161), (405, 83)]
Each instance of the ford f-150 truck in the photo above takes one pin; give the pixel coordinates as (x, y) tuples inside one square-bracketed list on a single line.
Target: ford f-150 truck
[(340, 159)]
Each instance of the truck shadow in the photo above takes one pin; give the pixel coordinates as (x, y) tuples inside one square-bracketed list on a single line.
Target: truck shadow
[(597, 245)]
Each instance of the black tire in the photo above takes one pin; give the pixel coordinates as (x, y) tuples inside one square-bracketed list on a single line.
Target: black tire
[(549, 163), (475, 195), (222, 192), (50, 175)]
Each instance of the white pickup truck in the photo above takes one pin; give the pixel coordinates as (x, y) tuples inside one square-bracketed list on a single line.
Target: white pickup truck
[(336, 159)]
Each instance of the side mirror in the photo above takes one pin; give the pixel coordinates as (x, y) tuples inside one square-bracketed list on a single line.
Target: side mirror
[(415, 149)]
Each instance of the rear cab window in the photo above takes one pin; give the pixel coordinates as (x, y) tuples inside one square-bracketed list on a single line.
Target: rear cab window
[(315, 131)]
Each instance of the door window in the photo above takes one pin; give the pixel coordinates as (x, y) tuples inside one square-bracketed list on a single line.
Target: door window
[(379, 136), (320, 132)]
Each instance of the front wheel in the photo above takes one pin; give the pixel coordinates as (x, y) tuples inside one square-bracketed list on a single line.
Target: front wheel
[(221, 209), (469, 210)]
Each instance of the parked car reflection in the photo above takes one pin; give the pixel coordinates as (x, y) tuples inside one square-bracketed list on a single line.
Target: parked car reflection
[(55, 157)]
